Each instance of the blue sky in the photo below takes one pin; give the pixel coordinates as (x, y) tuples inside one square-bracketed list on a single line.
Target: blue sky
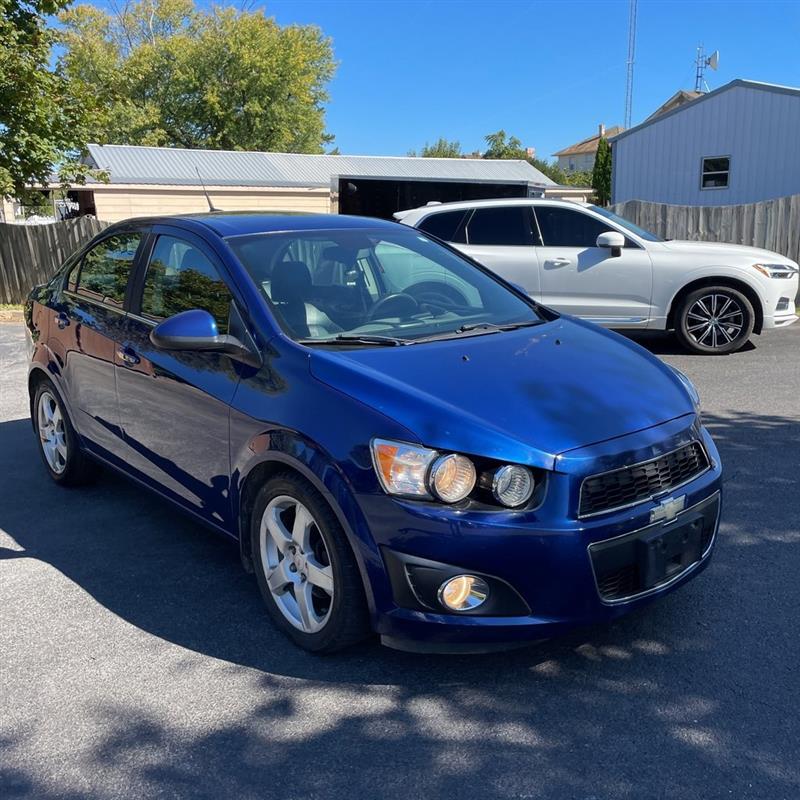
[(548, 72)]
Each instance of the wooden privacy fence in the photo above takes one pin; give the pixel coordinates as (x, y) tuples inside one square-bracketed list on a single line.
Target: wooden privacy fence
[(771, 224), (30, 254)]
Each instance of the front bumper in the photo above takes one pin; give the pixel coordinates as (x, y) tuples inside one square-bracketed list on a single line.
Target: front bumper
[(544, 556), (780, 303)]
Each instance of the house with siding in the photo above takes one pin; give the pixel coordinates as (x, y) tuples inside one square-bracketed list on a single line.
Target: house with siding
[(580, 157), (736, 144)]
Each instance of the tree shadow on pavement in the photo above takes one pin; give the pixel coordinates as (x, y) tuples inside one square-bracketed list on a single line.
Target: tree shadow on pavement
[(693, 697)]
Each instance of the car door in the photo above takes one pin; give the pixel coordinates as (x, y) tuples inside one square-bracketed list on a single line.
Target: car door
[(502, 238), (577, 277), (174, 405), (88, 323)]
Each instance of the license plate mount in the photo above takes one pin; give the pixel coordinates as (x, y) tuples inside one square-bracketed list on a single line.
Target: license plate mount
[(669, 550)]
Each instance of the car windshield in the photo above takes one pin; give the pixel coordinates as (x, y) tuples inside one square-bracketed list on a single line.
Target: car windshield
[(375, 286), (624, 223)]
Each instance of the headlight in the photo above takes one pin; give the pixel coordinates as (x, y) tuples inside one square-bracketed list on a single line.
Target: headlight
[(776, 270), (408, 470), (452, 477), (512, 485), (690, 387), (402, 468)]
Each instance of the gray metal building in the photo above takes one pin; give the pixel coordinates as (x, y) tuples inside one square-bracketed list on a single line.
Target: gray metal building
[(737, 144), (164, 180)]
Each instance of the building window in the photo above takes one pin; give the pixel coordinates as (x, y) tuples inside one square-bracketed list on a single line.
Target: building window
[(716, 171)]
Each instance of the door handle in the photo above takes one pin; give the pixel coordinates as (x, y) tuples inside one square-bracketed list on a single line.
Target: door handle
[(560, 262), (62, 320), (128, 356)]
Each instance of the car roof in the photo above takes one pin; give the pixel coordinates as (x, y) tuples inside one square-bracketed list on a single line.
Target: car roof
[(437, 208), (238, 223)]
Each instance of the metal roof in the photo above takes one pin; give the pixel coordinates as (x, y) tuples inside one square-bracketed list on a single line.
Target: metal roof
[(128, 164), (654, 120)]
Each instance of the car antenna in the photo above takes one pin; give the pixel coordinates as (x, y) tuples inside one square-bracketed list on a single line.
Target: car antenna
[(205, 191)]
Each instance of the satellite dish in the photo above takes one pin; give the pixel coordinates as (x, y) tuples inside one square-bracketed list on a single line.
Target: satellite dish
[(713, 60)]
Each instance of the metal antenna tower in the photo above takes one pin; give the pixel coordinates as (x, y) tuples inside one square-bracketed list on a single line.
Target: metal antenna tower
[(701, 62), (631, 53)]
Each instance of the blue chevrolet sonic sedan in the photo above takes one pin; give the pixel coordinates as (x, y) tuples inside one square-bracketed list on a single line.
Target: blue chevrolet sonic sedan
[(399, 441)]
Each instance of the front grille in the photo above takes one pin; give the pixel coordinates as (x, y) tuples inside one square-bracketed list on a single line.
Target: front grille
[(630, 485)]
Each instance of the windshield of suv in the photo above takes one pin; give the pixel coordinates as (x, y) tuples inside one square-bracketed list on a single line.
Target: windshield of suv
[(624, 223), (375, 287)]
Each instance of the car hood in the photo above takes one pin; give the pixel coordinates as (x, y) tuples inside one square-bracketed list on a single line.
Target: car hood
[(525, 395), (752, 255)]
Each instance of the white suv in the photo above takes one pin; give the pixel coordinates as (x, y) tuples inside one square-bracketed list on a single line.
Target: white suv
[(584, 260)]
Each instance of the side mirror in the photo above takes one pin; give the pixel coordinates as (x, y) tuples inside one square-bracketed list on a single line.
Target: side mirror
[(196, 330), (612, 240)]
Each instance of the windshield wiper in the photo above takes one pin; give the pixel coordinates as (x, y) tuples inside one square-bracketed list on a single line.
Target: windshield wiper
[(478, 328), (493, 326), (358, 338)]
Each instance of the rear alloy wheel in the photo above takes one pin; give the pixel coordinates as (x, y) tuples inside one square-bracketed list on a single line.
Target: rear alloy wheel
[(58, 443), (305, 568), (714, 320)]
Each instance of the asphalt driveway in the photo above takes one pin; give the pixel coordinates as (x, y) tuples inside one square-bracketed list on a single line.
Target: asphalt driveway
[(136, 660)]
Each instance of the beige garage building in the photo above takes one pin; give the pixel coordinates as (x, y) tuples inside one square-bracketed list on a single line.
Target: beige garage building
[(159, 180)]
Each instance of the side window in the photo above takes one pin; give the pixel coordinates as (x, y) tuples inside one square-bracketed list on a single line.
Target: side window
[(510, 226), (715, 173), (104, 271), (446, 226), (562, 227), (180, 277)]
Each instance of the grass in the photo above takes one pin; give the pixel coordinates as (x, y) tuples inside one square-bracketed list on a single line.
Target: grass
[(10, 307)]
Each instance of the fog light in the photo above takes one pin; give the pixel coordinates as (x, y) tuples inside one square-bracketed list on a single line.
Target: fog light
[(463, 593), (512, 485)]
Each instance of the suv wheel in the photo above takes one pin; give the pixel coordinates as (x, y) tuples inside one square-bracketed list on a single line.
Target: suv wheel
[(714, 320), (305, 568)]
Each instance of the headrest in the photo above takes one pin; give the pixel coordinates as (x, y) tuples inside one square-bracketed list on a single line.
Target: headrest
[(291, 281)]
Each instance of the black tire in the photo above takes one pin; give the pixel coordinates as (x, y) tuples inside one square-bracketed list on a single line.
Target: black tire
[(76, 469), (714, 320), (347, 619)]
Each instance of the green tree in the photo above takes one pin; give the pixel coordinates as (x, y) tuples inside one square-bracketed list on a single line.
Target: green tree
[(43, 122), (164, 72), (502, 146), (441, 148), (601, 174)]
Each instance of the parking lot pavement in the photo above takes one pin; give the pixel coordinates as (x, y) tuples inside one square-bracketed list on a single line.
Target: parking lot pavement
[(136, 660)]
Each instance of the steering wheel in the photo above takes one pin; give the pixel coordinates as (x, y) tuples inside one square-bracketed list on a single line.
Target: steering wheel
[(437, 293), (398, 304)]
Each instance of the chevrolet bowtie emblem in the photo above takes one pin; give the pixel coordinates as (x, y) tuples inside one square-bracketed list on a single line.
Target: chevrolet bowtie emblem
[(668, 509)]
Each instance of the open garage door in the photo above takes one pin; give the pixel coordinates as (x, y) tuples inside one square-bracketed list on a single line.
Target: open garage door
[(381, 198)]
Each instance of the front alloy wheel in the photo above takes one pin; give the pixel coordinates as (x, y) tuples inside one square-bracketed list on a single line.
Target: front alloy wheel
[(305, 567), (715, 320), (299, 573)]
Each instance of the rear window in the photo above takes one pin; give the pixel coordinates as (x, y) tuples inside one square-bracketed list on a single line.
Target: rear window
[(446, 226), (511, 227), (103, 272)]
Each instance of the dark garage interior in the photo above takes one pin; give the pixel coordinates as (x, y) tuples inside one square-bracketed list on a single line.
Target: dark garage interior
[(381, 198)]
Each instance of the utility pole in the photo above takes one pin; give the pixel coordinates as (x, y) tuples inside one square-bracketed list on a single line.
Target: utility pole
[(631, 54)]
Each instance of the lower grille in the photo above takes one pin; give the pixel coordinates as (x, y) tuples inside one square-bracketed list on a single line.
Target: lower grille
[(645, 560), (630, 485)]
